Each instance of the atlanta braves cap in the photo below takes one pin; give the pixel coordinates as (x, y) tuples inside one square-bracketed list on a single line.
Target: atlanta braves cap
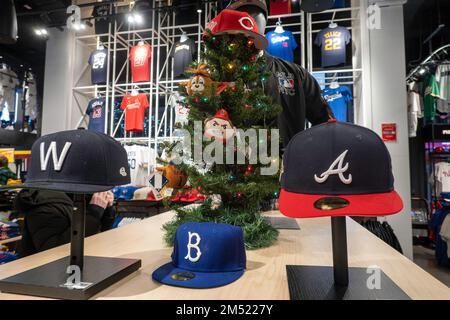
[(205, 255), (316, 5), (337, 169), (237, 22), (236, 4), (76, 161)]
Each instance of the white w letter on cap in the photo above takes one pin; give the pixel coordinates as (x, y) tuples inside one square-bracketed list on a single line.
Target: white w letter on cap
[(57, 163), (195, 246), (339, 170)]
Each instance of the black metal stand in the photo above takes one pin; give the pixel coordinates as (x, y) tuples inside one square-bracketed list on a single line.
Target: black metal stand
[(50, 280), (339, 282), (77, 232)]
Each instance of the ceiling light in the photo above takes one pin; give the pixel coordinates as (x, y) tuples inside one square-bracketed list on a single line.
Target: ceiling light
[(199, 10), (38, 32), (44, 32), (422, 71), (138, 18), (130, 18), (27, 6)]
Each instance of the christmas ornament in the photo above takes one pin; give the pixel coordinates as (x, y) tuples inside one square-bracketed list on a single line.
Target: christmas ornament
[(238, 195), (253, 58), (230, 66), (219, 126), (200, 82), (245, 67), (216, 201), (232, 178)]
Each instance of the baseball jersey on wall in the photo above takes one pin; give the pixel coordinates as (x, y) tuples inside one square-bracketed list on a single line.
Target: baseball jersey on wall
[(96, 113), (279, 7), (281, 45), (338, 99), (333, 43), (183, 53), (134, 107), (99, 62), (138, 158), (100, 12), (140, 62)]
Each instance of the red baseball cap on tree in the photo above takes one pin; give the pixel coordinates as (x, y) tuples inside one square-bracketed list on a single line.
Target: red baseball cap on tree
[(237, 22)]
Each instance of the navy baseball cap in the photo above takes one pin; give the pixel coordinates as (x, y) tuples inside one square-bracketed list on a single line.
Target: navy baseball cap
[(337, 169), (76, 161), (205, 255)]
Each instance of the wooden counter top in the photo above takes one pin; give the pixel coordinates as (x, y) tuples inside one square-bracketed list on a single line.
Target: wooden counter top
[(265, 277)]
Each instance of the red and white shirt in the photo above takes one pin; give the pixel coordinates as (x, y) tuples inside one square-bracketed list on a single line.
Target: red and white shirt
[(134, 107), (278, 7), (140, 62)]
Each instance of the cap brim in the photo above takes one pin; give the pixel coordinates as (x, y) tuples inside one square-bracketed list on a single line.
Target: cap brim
[(260, 41), (297, 205), (233, 5), (63, 187), (201, 280)]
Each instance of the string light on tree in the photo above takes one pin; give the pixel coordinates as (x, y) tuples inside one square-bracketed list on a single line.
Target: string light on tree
[(230, 66)]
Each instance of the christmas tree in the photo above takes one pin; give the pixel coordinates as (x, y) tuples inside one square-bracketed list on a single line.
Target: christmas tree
[(225, 94)]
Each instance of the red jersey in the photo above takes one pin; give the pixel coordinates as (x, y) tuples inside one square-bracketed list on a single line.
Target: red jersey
[(278, 7), (140, 62), (134, 107)]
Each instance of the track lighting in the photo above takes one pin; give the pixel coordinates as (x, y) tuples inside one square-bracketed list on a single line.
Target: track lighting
[(135, 18), (41, 32)]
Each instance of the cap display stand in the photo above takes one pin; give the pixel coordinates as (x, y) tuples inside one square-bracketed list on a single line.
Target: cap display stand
[(340, 282), (52, 280)]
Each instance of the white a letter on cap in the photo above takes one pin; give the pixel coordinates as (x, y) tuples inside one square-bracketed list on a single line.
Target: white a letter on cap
[(57, 163), (339, 170), (195, 246)]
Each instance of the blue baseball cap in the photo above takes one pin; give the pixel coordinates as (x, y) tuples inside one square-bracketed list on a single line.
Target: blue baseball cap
[(205, 255)]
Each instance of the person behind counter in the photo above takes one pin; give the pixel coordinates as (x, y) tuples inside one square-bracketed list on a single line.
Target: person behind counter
[(48, 217)]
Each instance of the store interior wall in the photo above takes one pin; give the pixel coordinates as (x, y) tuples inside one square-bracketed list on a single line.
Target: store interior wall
[(386, 103)]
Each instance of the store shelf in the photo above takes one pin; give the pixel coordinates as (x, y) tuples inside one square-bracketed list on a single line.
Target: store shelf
[(10, 240)]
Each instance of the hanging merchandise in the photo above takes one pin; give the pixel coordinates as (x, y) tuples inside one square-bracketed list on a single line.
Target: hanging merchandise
[(219, 258), (333, 41), (339, 4), (281, 44), (134, 107), (8, 22), (96, 113), (99, 63), (430, 95), (140, 56), (443, 79), (339, 99), (442, 177), (31, 99), (139, 158), (200, 83), (415, 107), (278, 7), (316, 5), (183, 53), (8, 84), (100, 13), (437, 225), (177, 102)]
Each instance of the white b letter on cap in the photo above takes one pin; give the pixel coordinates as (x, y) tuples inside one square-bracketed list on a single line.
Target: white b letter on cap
[(57, 163), (339, 171), (195, 246)]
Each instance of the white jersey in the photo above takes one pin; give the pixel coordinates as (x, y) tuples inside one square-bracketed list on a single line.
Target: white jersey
[(442, 171), (139, 157), (443, 80)]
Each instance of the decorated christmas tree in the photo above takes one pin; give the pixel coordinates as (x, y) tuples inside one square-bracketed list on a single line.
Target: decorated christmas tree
[(226, 100)]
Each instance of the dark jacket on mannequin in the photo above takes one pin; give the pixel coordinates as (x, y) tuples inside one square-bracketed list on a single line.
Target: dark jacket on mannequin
[(299, 94), (48, 216)]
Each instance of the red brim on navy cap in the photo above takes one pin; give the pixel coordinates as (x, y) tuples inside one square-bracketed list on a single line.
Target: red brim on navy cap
[(61, 186), (201, 280), (297, 205)]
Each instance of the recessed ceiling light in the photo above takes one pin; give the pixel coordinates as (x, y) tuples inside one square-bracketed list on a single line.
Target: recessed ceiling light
[(27, 6)]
